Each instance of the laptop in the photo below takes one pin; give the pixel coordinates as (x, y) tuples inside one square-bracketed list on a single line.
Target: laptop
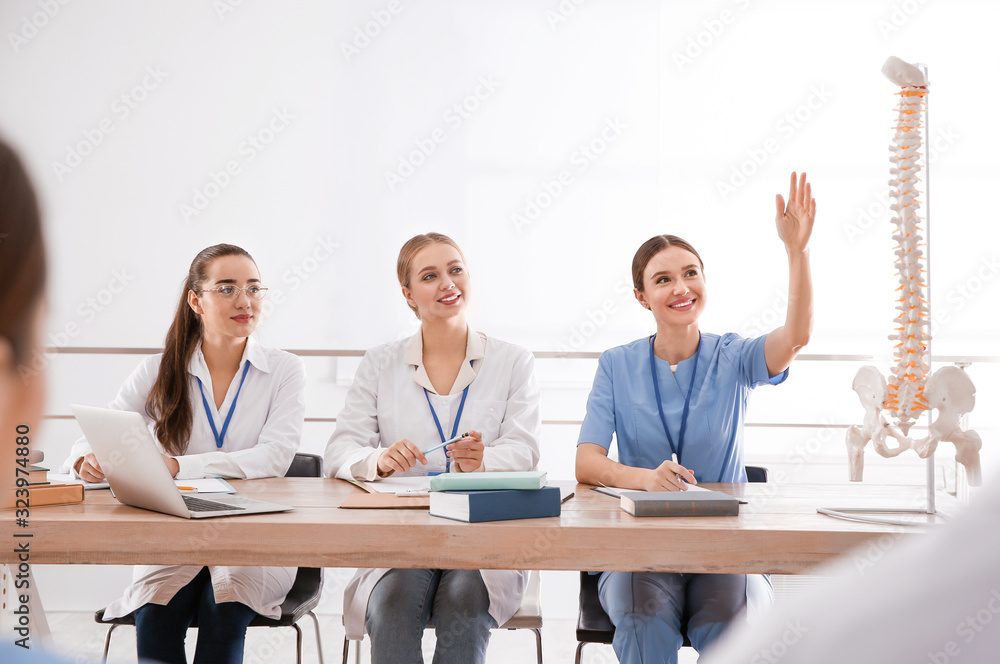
[(134, 468)]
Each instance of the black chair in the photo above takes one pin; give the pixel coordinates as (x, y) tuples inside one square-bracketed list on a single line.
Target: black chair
[(594, 625), (300, 600)]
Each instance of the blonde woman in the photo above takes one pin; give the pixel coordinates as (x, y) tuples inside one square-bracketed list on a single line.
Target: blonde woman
[(408, 396)]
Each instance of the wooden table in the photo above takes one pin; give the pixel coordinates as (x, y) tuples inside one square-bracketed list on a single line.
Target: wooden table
[(779, 531)]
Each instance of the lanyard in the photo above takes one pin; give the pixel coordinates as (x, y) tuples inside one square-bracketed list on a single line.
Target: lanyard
[(458, 418), (437, 422), (208, 411), (687, 399)]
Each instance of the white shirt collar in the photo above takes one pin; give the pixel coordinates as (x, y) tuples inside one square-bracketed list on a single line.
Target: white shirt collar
[(252, 353), (475, 349)]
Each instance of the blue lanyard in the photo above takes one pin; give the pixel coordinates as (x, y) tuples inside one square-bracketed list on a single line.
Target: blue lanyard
[(458, 418), (687, 399), (208, 411)]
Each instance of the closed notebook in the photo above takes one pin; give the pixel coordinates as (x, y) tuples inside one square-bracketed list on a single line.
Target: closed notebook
[(501, 505), (38, 474), (46, 494), (490, 480), (679, 503)]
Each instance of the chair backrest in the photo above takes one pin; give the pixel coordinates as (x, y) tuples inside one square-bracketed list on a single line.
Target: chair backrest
[(305, 465), (756, 473)]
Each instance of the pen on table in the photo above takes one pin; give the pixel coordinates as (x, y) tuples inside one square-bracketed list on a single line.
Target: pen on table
[(447, 442), (187, 488)]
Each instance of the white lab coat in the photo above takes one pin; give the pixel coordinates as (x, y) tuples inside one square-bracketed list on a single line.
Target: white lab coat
[(262, 438), (386, 403)]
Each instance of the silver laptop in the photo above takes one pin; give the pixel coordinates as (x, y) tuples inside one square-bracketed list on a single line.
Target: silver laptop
[(138, 476)]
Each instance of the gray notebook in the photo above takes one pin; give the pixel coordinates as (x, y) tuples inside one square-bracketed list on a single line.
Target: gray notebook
[(679, 503)]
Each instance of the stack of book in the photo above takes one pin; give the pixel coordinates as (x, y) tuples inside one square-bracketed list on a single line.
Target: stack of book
[(37, 474), (493, 496), (40, 489)]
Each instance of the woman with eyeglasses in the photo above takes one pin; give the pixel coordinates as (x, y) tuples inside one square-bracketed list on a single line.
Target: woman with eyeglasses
[(221, 405), (446, 383)]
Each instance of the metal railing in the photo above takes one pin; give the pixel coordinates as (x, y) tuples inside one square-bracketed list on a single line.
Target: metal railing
[(959, 360)]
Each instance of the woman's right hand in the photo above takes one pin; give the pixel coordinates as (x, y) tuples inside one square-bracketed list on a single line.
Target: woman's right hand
[(669, 476), (399, 457), (89, 469)]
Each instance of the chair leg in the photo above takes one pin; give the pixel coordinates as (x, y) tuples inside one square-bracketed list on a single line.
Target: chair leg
[(347, 649), (107, 644), (579, 652), (538, 642), (319, 641), (298, 643)]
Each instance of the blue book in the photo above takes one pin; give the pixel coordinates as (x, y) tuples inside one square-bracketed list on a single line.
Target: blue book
[(500, 505)]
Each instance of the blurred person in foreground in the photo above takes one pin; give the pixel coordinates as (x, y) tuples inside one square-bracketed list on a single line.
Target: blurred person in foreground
[(931, 598)]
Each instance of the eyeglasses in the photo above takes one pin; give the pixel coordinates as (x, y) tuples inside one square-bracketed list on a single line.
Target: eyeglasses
[(254, 292)]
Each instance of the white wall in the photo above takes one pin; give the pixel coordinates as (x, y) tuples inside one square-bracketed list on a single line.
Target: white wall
[(667, 99)]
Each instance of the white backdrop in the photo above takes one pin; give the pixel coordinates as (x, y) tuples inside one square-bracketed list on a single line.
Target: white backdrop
[(549, 138)]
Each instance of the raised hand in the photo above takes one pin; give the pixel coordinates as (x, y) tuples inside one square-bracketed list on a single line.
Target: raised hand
[(795, 219)]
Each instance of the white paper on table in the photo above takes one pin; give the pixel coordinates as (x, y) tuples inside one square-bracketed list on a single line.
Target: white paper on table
[(67, 478), (208, 485), (397, 484), (616, 492)]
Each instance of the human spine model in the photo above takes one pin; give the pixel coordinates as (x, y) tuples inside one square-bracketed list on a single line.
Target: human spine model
[(906, 385), (904, 393)]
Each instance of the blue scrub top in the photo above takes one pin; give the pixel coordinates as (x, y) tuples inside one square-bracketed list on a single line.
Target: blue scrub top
[(622, 402)]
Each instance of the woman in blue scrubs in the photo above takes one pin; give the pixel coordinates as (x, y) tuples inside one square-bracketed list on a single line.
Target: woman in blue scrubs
[(676, 402)]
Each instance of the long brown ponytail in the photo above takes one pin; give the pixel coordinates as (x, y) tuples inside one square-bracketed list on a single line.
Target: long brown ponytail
[(168, 402)]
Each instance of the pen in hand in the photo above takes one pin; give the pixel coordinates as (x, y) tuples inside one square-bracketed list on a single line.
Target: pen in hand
[(673, 457), (447, 442)]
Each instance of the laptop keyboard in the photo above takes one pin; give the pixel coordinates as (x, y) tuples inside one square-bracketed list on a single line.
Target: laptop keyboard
[(202, 505)]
